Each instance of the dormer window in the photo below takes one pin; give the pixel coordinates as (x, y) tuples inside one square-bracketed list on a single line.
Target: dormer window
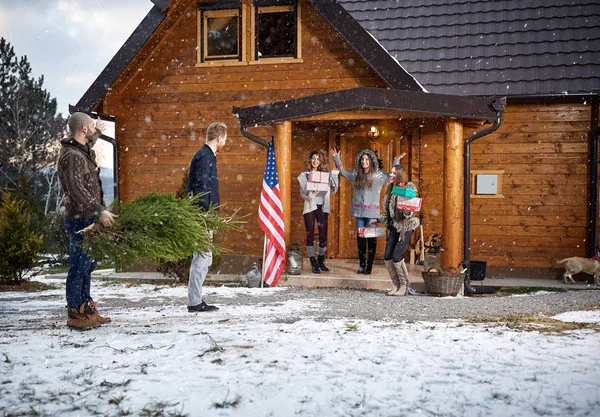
[(220, 33)]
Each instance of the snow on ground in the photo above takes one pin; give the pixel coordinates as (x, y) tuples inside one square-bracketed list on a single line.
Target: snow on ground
[(271, 359)]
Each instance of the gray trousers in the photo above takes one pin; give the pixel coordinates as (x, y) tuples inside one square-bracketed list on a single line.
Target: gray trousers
[(198, 271)]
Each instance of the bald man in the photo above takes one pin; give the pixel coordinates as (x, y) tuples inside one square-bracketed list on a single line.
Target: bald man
[(80, 179)]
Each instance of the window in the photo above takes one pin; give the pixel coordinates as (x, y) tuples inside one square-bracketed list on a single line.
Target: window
[(275, 32), (242, 32), (220, 33), (107, 159), (486, 184)]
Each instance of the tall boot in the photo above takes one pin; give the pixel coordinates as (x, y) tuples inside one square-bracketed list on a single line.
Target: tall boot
[(370, 254), (407, 275), (361, 242), (393, 275), (315, 266), (403, 276), (321, 261)]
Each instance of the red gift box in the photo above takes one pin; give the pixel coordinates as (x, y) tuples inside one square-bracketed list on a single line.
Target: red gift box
[(410, 204), (371, 231)]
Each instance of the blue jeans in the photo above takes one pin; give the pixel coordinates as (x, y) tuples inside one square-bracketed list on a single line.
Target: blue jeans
[(81, 265), (362, 222)]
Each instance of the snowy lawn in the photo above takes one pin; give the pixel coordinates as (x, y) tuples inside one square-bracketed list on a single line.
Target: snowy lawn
[(272, 359)]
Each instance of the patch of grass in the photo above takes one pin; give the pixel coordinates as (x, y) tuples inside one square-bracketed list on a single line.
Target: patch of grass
[(506, 291), (27, 286), (537, 323), (243, 346), (351, 327), (160, 409), (228, 404)]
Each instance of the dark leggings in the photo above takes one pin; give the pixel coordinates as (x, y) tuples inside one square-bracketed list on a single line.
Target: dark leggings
[(394, 247), (309, 224)]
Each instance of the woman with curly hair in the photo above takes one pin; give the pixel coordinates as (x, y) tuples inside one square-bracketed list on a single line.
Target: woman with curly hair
[(400, 224), (316, 208)]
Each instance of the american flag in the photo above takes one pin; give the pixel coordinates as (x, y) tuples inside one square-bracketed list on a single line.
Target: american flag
[(270, 219)]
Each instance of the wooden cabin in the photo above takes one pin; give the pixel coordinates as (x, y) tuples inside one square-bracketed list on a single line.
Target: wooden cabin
[(428, 75)]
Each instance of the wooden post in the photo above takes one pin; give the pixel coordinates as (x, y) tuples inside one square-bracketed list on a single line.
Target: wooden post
[(452, 226), (283, 157)]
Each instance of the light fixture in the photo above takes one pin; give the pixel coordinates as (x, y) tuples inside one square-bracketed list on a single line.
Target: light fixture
[(374, 132)]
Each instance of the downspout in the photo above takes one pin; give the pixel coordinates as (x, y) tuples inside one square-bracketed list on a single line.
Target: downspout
[(499, 108), (254, 138), (593, 212)]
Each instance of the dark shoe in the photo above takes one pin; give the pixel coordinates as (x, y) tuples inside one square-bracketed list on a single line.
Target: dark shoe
[(368, 269), (201, 307), (361, 270), (77, 319), (321, 261), (370, 255), (361, 243), (314, 265)]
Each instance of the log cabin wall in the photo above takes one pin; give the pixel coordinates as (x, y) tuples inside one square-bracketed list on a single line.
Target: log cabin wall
[(163, 103), (542, 217)]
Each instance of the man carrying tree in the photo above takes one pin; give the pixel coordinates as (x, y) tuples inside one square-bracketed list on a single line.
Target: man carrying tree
[(80, 179), (203, 179)]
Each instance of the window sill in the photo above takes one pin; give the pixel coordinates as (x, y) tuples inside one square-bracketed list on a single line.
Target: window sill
[(220, 64), (271, 61), (487, 195)]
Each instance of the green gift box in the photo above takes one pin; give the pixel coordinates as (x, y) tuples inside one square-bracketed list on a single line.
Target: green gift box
[(404, 192)]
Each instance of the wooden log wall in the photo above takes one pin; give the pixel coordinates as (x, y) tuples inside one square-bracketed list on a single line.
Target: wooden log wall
[(163, 104), (542, 148)]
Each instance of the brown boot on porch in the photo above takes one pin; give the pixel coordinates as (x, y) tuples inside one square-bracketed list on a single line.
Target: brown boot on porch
[(403, 277), (96, 315), (77, 319)]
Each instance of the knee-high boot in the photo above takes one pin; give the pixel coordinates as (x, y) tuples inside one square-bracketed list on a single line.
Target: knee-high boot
[(361, 242), (370, 254), (403, 276), (393, 275)]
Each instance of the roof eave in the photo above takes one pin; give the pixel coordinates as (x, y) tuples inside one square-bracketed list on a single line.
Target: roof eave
[(370, 98)]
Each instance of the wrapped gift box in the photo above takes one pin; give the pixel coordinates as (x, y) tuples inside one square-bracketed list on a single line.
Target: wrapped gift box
[(371, 231), (318, 176), (411, 204), (404, 192), (321, 187)]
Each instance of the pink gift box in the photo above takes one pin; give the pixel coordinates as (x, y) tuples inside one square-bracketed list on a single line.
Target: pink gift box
[(410, 204), (321, 187), (371, 231), (318, 176)]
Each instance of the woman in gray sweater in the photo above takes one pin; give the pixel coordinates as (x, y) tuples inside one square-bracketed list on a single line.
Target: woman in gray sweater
[(367, 180)]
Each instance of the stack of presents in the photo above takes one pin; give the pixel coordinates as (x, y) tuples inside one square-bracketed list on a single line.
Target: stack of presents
[(406, 200), (318, 181)]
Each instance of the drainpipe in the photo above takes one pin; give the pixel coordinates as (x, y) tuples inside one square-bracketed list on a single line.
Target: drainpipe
[(254, 138), (593, 212), (499, 107)]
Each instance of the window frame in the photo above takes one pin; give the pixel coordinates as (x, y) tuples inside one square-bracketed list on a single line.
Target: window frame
[(264, 7), (211, 10)]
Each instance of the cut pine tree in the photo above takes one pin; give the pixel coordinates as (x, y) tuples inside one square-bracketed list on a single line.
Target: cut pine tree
[(160, 228)]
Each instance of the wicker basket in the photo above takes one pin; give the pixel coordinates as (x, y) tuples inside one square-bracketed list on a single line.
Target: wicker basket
[(443, 283)]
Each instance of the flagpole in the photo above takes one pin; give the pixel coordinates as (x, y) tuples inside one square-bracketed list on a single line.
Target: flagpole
[(262, 281)]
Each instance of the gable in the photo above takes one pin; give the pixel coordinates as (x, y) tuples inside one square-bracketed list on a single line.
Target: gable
[(487, 48)]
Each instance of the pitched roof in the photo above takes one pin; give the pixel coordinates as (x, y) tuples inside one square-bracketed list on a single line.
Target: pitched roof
[(482, 47)]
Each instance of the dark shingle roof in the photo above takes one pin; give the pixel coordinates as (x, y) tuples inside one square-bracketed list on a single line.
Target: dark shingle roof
[(483, 47)]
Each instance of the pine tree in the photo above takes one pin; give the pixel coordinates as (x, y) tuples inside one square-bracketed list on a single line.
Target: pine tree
[(18, 244), (30, 129)]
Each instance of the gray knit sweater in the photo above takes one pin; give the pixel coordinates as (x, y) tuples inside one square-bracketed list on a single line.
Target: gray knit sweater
[(365, 202)]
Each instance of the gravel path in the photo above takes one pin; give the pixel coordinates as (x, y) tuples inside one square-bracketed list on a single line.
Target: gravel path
[(375, 305)]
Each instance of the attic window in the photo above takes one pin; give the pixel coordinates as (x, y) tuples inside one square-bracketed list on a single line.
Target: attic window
[(220, 29), (276, 30)]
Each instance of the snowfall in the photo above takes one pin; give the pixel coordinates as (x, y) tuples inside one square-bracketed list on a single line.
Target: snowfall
[(273, 359)]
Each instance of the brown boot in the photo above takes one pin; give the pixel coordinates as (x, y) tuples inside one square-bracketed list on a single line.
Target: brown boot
[(96, 315), (403, 277), (78, 319), (393, 275)]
